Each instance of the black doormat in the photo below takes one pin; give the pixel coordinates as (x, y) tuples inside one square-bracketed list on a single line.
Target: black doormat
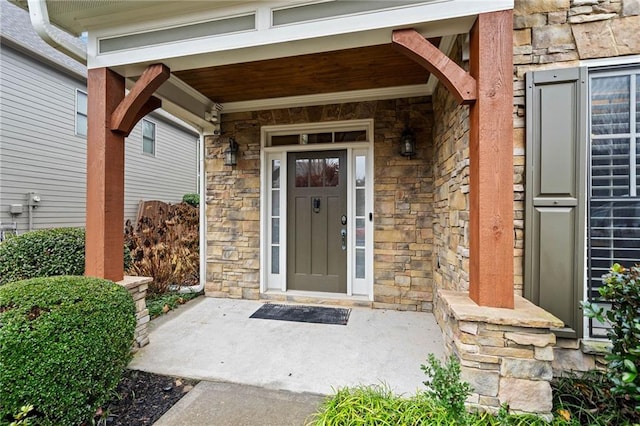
[(315, 314)]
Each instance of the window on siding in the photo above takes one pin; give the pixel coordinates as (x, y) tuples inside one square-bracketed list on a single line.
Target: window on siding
[(81, 113), (148, 137), (613, 202)]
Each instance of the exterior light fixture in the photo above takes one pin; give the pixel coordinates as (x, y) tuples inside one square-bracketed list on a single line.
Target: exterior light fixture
[(231, 153), (407, 143)]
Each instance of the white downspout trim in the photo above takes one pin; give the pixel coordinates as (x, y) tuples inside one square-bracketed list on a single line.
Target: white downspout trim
[(40, 21), (203, 223)]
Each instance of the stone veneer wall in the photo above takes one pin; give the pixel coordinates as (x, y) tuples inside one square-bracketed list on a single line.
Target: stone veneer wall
[(403, 201), (451, 187), (553, 34), (137, 288), (505, 355)]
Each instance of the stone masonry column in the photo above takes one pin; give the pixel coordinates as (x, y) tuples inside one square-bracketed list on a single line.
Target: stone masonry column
[(137, 288), (506, 355)]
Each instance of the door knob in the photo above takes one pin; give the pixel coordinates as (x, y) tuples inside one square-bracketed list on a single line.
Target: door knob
[(343, 234)]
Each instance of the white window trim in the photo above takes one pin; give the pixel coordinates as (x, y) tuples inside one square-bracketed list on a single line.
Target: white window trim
[(610, 62), (75, 117), (365, 283), (267, 154), (155, 138)]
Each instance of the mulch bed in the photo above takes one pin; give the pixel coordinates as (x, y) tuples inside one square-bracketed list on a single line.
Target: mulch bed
[(142, 398)]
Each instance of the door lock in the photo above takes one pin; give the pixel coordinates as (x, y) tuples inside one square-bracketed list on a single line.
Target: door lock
[(316, 205), (343, 234)]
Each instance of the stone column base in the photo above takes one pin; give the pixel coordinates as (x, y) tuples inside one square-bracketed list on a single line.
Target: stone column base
[(506, 355), (137, 287)]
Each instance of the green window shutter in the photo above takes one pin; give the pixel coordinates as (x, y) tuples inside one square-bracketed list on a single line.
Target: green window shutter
[(555, 193)]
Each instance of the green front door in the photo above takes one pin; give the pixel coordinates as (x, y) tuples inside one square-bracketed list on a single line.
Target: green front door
[(317, 221)]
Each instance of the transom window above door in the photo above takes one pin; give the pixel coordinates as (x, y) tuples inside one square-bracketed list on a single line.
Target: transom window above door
[(309, 137)]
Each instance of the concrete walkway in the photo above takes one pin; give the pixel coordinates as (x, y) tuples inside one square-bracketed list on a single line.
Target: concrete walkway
[(215, 340), (223, 404)]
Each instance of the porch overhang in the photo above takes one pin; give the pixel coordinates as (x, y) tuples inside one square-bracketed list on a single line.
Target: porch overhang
[(218, 52), (129, 36)]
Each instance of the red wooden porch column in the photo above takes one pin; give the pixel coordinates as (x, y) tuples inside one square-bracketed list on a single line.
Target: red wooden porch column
[(491, 161), (105, 178), (111, 117)]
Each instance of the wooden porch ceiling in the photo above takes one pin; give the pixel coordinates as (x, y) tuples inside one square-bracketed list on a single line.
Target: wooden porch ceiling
[(362, 68)]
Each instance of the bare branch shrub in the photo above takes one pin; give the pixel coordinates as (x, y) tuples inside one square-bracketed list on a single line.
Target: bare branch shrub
[(164, 245)]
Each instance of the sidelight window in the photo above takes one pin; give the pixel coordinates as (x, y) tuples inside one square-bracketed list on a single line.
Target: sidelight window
[(275, 217)]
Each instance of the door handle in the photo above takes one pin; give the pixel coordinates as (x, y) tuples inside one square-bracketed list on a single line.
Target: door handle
[(343, 234), (316, 205)]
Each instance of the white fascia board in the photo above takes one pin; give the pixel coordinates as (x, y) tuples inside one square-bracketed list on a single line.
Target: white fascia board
[(328, 98), (272, 51), (432, 19)]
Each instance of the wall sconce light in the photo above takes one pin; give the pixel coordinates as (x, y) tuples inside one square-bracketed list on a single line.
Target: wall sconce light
[(407, 143), (231, 153)]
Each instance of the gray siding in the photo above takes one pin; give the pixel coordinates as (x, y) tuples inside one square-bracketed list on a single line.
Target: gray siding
[(168, 175), (39, 151)]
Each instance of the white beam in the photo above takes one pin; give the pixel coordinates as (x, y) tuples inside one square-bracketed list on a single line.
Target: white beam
[(328, 98), (183, 101)]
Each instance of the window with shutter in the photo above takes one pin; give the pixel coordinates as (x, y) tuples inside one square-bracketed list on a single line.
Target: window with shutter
[(613, 202), (583, 126), (556, 194)]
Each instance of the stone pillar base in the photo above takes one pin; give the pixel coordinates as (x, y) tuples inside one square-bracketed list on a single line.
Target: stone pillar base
[(137, 287), (506, 355)]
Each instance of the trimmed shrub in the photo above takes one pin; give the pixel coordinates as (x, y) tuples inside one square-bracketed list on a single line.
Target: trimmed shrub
[(64, 343), (42, 253), (192, 199), (621, 290), (45, 253)]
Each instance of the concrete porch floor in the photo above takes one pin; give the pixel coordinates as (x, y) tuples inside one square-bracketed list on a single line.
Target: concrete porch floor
[(215, 340)]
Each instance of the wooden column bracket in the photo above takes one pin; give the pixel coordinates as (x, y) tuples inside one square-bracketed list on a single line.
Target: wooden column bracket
[(413, 45), (139, 101)]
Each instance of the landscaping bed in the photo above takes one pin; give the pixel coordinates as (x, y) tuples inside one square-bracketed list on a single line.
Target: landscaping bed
[(141, 398)]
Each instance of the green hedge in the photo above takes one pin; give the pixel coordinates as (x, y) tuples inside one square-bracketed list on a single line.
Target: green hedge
[(64, 342), (45, 253), (192, 199)]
